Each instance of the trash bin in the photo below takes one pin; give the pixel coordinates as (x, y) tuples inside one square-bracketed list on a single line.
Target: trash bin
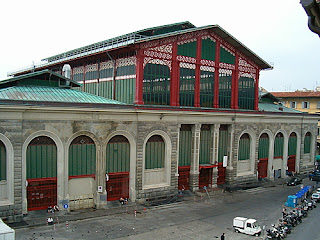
[(292, 201)]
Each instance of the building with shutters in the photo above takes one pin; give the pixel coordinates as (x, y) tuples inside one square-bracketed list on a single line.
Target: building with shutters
[(143, 115), (304, 101)]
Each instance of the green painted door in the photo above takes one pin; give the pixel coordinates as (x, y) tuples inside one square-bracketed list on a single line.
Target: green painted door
[(82, 157)]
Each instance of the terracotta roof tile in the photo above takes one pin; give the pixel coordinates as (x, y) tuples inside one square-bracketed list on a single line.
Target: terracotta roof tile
[(296, 94)]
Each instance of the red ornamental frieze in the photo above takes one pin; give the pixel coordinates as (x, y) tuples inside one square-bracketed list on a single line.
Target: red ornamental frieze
[(163, 48), (78, 70), (187, 41), (207, 62), (248, 75), (92, 68), (186, 59), (126, 61), (225, 72), (187, 65), (207, 68), (157, 54), (106, 65), (227, 66), (230, 49), (243, 61), (150, 44), (247, 69), (209, 37), (157, 61), (187, 36)]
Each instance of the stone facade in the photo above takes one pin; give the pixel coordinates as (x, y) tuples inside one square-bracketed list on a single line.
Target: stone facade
[(22, 125)]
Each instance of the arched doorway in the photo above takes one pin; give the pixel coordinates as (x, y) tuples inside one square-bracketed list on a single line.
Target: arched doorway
[(82, 169), (117, 168), (278, 155), (263, 156), (292, 151), (41, 172)]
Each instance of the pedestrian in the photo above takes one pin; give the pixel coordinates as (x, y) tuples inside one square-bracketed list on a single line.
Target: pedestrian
[(222, 236)]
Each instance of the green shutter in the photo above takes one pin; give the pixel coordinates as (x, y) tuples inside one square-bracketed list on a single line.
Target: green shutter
[(278, 146), (91, 88), (208, 49), (206, 89), (188, 49), (225, 81), (246, 93), (118, 155), (205, 145), (187, 82), (292, 144), (307, 142), (185, 145), (156, 84), (244, 147), (125, 90), (223, 142), (3, 162), (155, 153), (91, 75), (82, 156), (263, 151), (41, 158), (105, 89)]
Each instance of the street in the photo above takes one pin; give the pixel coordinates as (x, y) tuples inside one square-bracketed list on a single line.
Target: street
[(201, 219)]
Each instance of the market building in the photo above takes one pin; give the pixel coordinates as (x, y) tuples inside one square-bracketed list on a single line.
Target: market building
[(141, 116)]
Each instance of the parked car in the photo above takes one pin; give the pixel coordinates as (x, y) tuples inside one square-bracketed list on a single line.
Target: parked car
[(314, 175), (316, 196), (294, 181)]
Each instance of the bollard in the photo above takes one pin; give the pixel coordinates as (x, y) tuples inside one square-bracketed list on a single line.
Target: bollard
[(57, 220), (145, 211), (67, 225), (135, 214), (54, 227)]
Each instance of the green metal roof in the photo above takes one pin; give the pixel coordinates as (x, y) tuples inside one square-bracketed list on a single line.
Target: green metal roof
[(271, 107), (146, 35), (44, 76), (51, 94)]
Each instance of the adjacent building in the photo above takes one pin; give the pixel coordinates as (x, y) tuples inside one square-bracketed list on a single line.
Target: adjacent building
[(304, 101), (141, 116)]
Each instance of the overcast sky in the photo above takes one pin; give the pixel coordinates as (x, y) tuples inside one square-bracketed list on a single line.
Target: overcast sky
[(276, 30)]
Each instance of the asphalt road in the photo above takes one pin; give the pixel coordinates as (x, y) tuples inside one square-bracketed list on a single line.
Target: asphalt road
[(200, 219)]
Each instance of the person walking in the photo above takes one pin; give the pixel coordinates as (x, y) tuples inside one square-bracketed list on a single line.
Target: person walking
[(222, 237)]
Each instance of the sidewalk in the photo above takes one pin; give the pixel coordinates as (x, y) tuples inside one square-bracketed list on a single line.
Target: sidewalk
[(39, 218)]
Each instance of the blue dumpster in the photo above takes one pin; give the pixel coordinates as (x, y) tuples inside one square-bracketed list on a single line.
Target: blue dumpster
[(292, 201)]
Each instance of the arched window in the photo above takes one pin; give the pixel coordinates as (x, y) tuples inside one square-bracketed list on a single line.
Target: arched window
[(41, 158), (278, 145), (155, 153), (3, 162), (118, 155), (82, 156), (244, 153), (156, 84), (244, 147), (307, 143), (263, 155)]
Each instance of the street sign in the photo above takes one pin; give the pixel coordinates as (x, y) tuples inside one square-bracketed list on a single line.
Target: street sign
[(65, 206)]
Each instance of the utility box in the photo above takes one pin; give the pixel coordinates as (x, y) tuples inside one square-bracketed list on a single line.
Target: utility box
[(6, 232)]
